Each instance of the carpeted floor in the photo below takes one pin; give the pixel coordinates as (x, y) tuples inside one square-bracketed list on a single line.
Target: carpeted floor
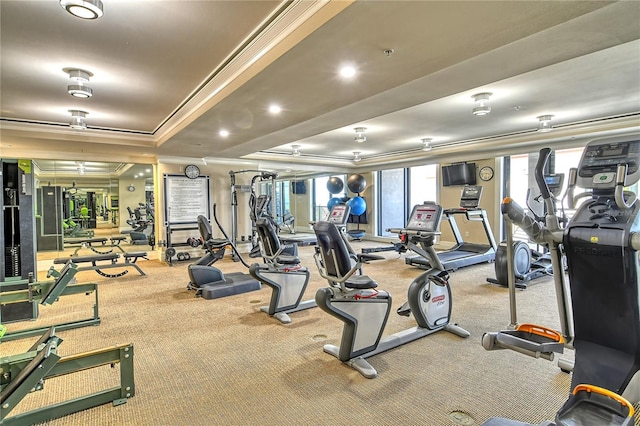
[(223, 362)]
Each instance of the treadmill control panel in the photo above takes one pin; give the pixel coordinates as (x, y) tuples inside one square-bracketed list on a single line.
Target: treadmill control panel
[(601, 158), (470, 198), (425, 217)]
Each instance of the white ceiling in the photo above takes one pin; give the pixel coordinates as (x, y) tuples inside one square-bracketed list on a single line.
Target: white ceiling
[(167, 80)]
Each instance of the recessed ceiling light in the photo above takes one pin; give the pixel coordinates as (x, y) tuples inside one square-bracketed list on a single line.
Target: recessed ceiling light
[(347, 71), (275, 109), (224, 133)]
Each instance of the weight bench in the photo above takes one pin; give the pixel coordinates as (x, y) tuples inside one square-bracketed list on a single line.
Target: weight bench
[(86, 241), (130, 259)]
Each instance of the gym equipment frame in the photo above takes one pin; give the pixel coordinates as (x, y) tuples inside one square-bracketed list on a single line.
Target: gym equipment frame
[(48, 292), (27, 372), (600, 304), (130, 259)]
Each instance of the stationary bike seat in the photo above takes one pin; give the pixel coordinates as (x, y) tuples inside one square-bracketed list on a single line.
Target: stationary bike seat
[(360, 282)]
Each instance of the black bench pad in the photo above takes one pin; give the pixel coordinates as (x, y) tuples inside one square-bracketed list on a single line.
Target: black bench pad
[(85, 240), (84, 259)]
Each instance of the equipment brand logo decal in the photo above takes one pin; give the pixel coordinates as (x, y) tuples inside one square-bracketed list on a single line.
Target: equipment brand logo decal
[(438, 299)]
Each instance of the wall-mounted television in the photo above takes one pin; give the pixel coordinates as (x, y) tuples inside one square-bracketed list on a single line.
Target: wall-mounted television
[(459, 174), (298, 187)]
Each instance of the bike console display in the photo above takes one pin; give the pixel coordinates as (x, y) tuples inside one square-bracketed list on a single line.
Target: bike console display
[(425, 217), (339, 214)]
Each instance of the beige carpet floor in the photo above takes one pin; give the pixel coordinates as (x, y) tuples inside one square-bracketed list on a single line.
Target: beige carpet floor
[(223, 362)]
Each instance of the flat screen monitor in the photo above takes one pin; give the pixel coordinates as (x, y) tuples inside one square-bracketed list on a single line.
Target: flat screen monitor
[(459, 174), (298, 187)]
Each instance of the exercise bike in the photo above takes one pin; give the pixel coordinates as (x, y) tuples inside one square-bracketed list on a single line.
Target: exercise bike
[(599, 309), (282, 272), (210, 282), (355, 300)]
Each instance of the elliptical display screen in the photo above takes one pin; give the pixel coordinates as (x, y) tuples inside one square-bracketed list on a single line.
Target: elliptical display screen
[(601, 158)]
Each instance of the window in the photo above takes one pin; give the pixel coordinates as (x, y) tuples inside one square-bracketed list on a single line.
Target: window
[(423, 184), (321, 196), (392, 200), (399, 190)]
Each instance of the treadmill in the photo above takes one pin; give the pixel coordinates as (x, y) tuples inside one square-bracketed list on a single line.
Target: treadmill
[(462, 253)]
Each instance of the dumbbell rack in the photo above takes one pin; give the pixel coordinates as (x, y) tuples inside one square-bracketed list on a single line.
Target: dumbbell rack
[(171, 253)]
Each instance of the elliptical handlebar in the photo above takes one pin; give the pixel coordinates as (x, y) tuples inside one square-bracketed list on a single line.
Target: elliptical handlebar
[(621, 177), (539, 173)]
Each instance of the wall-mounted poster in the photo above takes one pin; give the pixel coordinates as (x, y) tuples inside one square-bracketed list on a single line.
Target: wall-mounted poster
[(185, 199)]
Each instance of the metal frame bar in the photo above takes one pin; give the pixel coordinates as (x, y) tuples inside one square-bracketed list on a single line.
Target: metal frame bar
[(28, 295), (122, 354)]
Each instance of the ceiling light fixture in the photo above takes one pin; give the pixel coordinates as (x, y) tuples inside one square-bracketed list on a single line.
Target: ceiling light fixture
[(481, 99), (275, 109), (360, 136), (295, 150), (81, 169), (80, 77), (85, 9), (77, 119), (356, 156), (545, 123), (347, 71), (224, 133), (426, 144)]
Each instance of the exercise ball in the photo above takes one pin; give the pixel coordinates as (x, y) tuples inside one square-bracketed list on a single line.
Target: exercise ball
[(332, 202), (356, 183), (358, 205), (335, 185)]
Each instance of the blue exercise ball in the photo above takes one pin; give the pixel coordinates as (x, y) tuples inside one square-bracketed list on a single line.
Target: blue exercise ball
[(332, 202), (358, 205), (356, 183), (335, 185)]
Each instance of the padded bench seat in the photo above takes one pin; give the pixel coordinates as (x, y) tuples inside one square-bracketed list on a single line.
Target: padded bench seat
[(89, 241), (85, 259)]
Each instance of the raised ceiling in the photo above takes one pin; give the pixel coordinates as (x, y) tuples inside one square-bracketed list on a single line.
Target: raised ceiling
[(168, 76)]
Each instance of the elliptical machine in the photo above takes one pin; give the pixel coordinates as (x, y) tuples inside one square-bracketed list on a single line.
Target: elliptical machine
[(527, 264), (601, 303), (355, 300)]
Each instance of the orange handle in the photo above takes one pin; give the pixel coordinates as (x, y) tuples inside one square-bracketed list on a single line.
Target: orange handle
[(541, 331), (605, 392)]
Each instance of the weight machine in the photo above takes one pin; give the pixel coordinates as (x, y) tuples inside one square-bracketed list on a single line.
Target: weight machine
[(47, 292), (261, 176), (27, 372)]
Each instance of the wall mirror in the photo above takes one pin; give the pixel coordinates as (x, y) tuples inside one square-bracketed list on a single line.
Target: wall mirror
[(80, 200)]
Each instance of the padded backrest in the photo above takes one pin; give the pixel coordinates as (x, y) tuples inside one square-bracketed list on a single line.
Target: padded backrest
[(268, 235), (205, 228), (333, 249)]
